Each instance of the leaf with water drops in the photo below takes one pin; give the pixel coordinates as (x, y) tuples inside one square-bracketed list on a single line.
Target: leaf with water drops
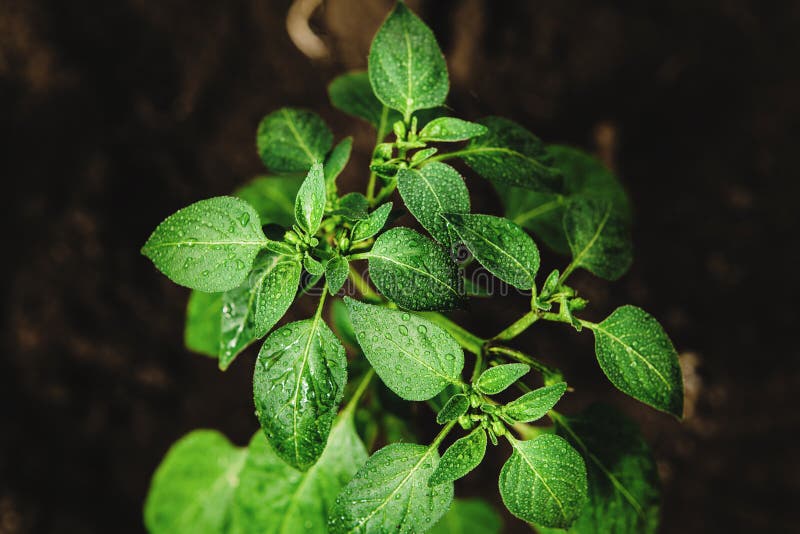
[(297, 385), (352, 206), (413, 356), (252, 309), (373, 224), (534, 404), (406, 68), (421, 155), (313, 267), (543, 213), (544, 481), (430, 191), (460, 458), (496, 379), (201, 332), (468, 516), (336, 162), (390, 493), (336, 271), (193, 487), (272, 197), (309, 206), (509, 154), (501, 246), (623, 485), (450, 129), (598, 238), (274, 498), (352, 93), (291, 140), (454, 408), (638, 357), (209, 245), (414, 272)]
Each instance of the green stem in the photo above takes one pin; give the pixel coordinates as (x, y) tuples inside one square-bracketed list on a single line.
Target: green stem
[(478, 369), (568, 271), (466, 339), (443, 434), (385, 192), (358, 256), (521, 357), (518, 327), (321, 304), (558, 318), (350, 409), (448, 155), (363, 286)]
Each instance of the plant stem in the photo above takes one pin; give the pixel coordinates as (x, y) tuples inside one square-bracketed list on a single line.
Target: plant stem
[(558, 318), (521, 357), (443, 434), (359, 256), (385, 192), (448, 155), (363, 286), (349, 410), (568, 271), (466, 339), (321, 304), (476, 371), (519, 326)]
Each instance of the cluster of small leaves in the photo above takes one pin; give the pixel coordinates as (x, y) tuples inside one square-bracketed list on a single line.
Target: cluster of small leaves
[(248, 257)]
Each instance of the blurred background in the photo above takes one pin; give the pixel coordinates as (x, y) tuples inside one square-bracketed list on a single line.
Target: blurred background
[(114, 114)]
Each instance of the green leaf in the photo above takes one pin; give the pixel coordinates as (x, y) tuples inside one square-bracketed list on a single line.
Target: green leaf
[(460, 458), (622, 476), (274, 498), (352, 93), (336, 162), (534, 404), (340, 318), (272, 197), (415, 358), (413, 271), (496, 379), (449, 129), (209, 245), (291, 140), (373, 224), (252, 309), (511, 155), (352, 206), (390, 493), (467, 516), (638, 357), (298, 383), (598, 238), (430, 191), (543, 213), (421, 155), (406, 68), (309, 206), (455, 407), (336, 271), (501, 246), (544, 481), (193, 488), (313, 267), (202, 331)]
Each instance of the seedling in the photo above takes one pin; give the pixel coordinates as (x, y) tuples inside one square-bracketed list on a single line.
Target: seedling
[(314, 466)]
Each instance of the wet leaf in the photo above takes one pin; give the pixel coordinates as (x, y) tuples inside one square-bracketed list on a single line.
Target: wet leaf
[(309, 206), (496, 379), (450, 129), (598, 238), (291, 140), (454, 408), (373, 224), (336, 162), (534, 404), (352, 93), (336, 271), (272, 197), (460, 458)]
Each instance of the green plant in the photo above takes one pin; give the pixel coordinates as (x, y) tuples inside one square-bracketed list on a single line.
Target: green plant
[(310, 469)]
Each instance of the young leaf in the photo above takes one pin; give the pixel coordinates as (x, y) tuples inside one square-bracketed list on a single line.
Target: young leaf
[(193, 488), (622, 475), (352, 206), (252, 309), (291, 140), (373, 224), (544, 481), (272, 197), (352, 93), (468, 516), (534, 404), (455, 407), (413, 271), (543, 213), (407, 70), (309, 206), (209, 245), (449, 129), (509, 154), (336, 162), (460, 458), (298, 383), (413, 356), (313, 267), (496, 379), (638, 357), (598, 238), (336, 271), (499, 245), (434, 189), (390, 493), (421, 155), (202, 330), (274, 498)]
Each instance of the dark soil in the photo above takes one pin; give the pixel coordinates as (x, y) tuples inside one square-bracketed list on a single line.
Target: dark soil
[(114, 114)]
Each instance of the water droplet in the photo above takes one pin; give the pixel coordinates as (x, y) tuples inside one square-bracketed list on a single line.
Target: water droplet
[(403, 330), (206, 273), (244, 218), (422, 329)]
